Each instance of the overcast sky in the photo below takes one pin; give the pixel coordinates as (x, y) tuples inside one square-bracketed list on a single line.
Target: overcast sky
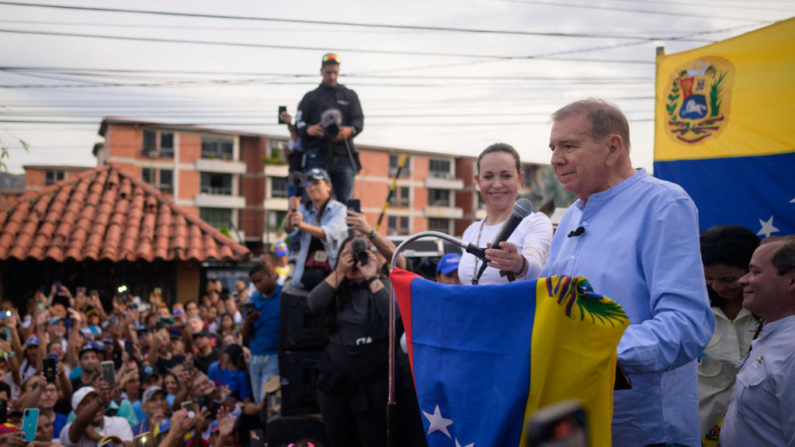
[(414, 101)]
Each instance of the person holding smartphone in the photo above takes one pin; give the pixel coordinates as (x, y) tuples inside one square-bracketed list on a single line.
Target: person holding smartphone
[(43, 396), (90, 424)]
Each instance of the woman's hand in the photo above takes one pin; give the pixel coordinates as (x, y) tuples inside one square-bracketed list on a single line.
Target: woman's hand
[(505, 258), (368, 270), (345, 263)]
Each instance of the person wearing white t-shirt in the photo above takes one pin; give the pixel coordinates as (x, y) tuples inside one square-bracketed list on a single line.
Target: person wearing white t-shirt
[(499, 177), (91, 424)]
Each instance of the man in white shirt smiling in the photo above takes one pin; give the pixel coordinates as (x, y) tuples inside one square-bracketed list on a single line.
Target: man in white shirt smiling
[(91, 425), (762, 409)]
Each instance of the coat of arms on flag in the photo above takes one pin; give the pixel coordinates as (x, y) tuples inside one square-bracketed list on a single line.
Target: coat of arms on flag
[(484, 358), (699, 99)]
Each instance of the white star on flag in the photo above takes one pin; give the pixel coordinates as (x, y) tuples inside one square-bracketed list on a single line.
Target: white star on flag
[(767, 227), (792, 201), (438, 423), (458, 444)]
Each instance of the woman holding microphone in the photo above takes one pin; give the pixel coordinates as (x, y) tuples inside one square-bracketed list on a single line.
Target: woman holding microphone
[(499, 176)]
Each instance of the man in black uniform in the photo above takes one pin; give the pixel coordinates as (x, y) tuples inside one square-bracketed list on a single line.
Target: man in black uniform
[(329, 118)]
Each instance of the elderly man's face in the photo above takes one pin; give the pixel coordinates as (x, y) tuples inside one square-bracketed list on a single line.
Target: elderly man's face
[(580, 163), (764, 290)]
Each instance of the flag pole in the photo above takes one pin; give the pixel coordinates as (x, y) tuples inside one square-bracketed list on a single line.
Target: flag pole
[(401, 163), (391, 406)]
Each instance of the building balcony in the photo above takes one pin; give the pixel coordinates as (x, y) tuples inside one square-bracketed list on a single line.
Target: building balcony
[(275, 170), (444, 212), (219, 201), (441, 182), (218, 165), (276, 204)]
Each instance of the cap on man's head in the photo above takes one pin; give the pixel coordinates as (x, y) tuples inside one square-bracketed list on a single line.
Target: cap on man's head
[(32, 341), (150, 393), (91, 311), (330, 58), (81, 394), (448, 263), (319, 174), (57, 319), (148, 371), (280, 248), (175, 333)]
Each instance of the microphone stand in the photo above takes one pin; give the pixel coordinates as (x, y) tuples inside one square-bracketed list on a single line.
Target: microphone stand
[(391, 406)]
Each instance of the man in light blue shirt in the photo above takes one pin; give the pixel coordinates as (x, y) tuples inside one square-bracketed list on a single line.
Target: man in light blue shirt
[(636, 240), (762, 409)]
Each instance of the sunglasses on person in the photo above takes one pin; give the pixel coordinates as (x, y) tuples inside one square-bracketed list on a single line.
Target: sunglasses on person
[(331, 58)]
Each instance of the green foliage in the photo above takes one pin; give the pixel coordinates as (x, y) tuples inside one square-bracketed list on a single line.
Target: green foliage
[(4, 151), (715, 96), (606, 311), (225, 231)]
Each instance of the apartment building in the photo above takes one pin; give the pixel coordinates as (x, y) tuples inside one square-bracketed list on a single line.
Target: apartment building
[(237, 181), (37, 177)]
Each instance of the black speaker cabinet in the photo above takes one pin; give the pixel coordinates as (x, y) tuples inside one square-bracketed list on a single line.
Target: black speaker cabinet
[(298, 370), (299, 329)]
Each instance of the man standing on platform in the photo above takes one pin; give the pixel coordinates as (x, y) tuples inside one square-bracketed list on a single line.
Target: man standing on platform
[(762, 409), (328, 119), (636, 240)]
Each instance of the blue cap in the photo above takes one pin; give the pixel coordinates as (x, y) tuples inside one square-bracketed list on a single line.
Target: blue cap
[(280, 248), (318, 173), (32, 341), (448, 263)]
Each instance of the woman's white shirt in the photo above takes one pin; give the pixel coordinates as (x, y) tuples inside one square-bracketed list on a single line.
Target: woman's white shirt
[(532, 238)]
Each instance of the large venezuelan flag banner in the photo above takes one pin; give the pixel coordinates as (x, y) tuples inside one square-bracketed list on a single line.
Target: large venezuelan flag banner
[(485, 358), (725, 128)]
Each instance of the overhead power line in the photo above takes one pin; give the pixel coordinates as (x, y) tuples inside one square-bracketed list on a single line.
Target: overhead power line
[(302, 48), (637, 11), (329, 23)]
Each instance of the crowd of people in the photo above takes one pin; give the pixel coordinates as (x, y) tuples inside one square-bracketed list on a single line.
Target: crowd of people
[(198, 372)]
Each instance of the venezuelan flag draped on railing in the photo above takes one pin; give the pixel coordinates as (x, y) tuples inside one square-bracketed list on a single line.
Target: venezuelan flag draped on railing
[(486, 357), (725, 128)]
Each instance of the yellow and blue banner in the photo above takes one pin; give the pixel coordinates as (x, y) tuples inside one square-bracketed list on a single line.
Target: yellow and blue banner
[(724, 128), (485, 358)]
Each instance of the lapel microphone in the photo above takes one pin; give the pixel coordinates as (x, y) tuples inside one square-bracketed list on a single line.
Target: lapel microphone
[(576, 233)]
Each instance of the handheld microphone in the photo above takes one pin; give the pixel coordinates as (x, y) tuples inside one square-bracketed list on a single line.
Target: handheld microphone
[(576, 233), (521, 209)]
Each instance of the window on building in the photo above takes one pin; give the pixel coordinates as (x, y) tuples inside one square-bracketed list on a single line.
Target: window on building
[(394, 162), (398, 226), (166, 181), (440, 225), (400, 197), (149, 176), (213, 147), (216, 217), (51, 177), (279, 187), (150, 143), (275, 219), (213, 183), (275, 151), (166, 145), (440, 168), (439, 197)]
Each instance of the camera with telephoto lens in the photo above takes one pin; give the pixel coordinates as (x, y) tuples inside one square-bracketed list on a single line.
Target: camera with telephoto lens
[(360, 248), (331, 120)]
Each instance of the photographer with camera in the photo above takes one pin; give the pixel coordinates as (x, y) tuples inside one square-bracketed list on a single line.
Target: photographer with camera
[(353, 381), (320, 224), (328, 119)]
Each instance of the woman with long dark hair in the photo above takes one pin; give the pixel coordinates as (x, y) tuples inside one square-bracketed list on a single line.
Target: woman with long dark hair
[(353, 381), (726, 251)]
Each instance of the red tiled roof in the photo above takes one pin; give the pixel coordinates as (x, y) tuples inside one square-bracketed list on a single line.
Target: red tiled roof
[(106, 214)]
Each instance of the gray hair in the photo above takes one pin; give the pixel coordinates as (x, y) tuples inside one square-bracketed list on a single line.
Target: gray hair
[(784, 258), (605, 117)]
